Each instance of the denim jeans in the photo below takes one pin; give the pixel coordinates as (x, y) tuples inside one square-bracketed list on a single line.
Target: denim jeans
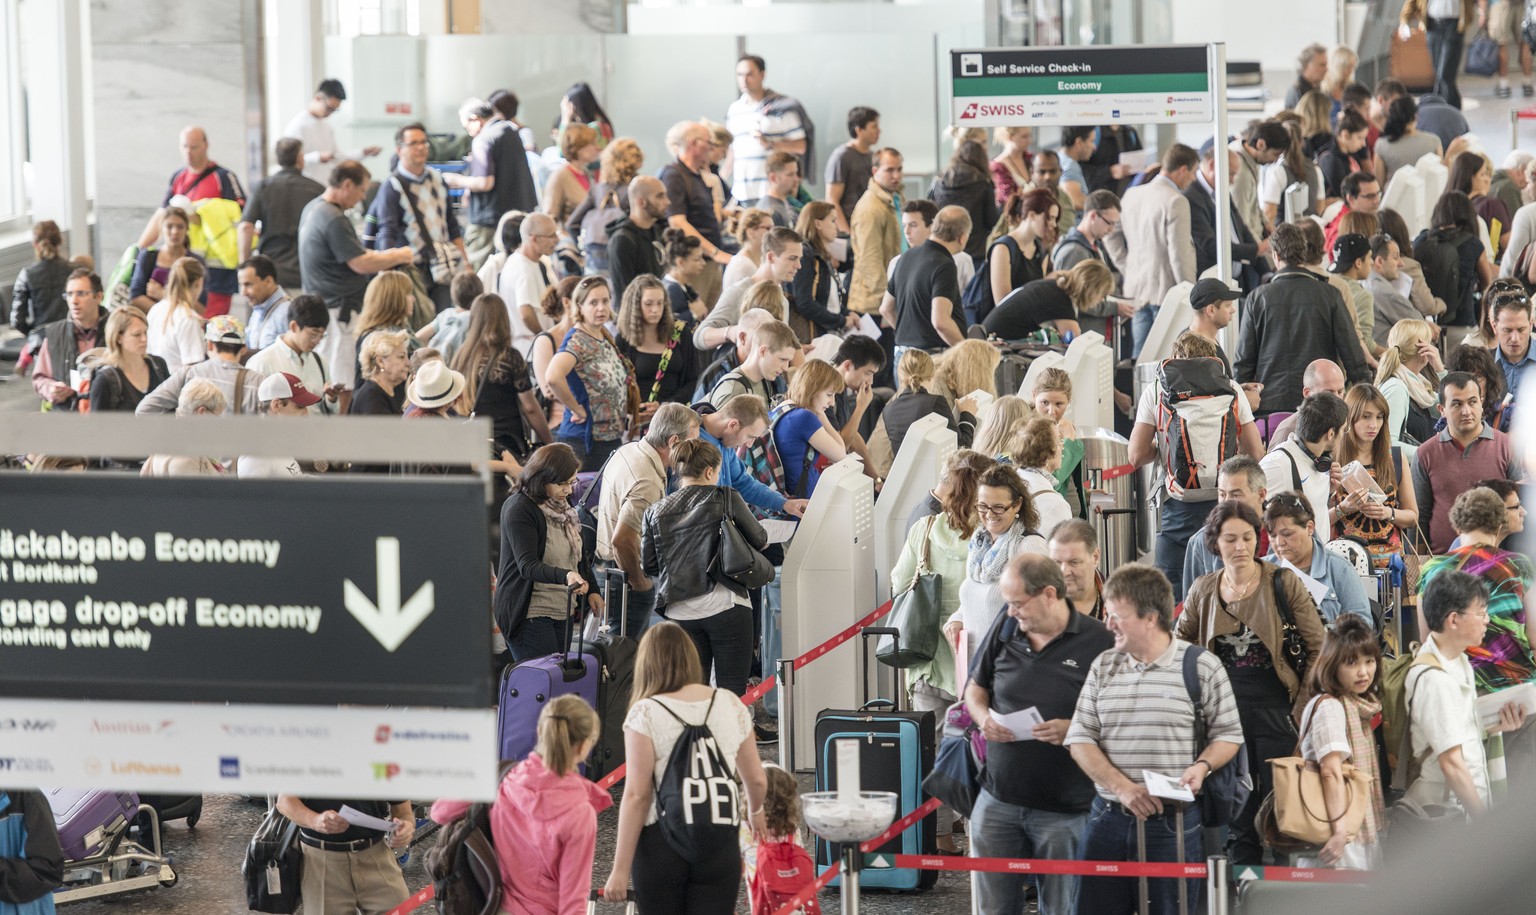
[(724, 641), (1141, 327), (538, 637), (772, 635), (594, 456), (1111, 836), (1177, 522), (1445, 44), (1002, 830)]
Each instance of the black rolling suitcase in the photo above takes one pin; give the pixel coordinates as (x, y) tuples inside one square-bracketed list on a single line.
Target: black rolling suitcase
[(1015, 362), (897, 751), (615, 653)]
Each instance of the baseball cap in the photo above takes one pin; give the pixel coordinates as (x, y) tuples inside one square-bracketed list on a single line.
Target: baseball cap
[(224, 329), (1209, 291), (283, 386), (1347, 249)]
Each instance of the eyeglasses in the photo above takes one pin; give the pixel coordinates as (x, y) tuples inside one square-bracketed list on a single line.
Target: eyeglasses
[(416, 143), (1112, 223), (1481, 612), (993, 511)]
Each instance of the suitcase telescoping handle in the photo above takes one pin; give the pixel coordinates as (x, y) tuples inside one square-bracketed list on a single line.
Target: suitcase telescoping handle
[(864, 665), (571, 665), (595, 895)]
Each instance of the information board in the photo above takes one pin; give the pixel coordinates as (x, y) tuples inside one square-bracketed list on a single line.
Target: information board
[(1008, 87)]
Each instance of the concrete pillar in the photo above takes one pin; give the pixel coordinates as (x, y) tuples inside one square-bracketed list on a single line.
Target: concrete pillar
[(158, 66), (56, 128)]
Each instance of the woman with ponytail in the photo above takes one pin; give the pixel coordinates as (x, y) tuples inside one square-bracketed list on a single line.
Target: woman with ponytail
[(1408, 376), (176, 321), (544, 818)]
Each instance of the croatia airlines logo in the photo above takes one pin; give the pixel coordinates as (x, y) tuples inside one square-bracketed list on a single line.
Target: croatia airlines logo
[(969, 112)]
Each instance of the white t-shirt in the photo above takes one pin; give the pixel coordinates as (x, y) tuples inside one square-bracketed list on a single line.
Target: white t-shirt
[(178, 341), (1280, 475), (1050, 505), (268, 467), (704, 606), (729, 721), (523, 283), (1442, 709), (318, 136), (307, 367)]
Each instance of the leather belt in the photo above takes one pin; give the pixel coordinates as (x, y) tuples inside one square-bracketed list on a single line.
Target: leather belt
[(354, 845)]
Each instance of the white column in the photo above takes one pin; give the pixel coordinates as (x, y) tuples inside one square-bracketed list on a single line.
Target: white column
[(57, 100)]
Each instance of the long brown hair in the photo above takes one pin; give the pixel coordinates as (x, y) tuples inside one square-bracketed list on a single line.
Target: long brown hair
[(632, 326), (666, 662), (814, 212), (488, 338), (1358, 399), (179, 285), (963, 471)]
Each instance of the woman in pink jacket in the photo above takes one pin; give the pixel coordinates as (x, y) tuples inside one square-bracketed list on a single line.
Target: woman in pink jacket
[(544, 819)]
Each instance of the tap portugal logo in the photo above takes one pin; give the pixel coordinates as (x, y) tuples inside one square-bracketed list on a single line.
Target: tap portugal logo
[(969, 112)]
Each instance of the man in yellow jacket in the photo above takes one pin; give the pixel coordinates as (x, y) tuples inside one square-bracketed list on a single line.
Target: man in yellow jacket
[(875, 233)]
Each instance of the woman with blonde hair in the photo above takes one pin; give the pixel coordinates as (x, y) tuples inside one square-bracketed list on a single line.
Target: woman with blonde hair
[(1036, 451), (128, 371), (1008, 415), (176, 321), (387, 305), (618, 165), (1341, 72), (967, 367), (1010, 170), (1316, 133), (767, 295), (1408, 375), (804, 435), (1055, 302), (915, 373), (751, 228), (670, 694), (385, 365)]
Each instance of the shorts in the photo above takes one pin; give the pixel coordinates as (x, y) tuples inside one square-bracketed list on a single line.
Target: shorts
[(1504, 20), (339, 350)]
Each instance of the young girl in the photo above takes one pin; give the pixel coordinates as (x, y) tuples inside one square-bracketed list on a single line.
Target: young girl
[(1052, 398), (778, 867), (1336, 726), (544, 819)]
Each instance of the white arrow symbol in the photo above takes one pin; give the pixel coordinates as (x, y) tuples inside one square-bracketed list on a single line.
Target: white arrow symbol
[(389, 622)]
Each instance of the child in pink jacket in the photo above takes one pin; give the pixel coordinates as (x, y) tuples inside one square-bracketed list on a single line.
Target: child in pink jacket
[(544, 819)]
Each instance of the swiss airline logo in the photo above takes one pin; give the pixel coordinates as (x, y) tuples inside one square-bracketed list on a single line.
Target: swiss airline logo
[(969, 112), (1002, 109)]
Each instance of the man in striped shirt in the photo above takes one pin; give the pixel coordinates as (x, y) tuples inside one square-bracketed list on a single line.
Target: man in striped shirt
[(1135, 715)]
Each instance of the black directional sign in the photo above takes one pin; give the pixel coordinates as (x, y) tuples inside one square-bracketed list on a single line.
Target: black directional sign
[(281, 591)]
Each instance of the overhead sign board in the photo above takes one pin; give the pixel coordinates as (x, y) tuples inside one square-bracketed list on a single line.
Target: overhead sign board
[(1021, 87), (284, 591)]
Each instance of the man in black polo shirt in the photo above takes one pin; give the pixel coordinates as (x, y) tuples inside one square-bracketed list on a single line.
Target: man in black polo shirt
[(922, 300), (276, 204), (349, 868), (1034, 800)]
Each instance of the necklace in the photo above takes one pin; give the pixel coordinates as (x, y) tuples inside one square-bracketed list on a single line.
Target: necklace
[(1240, 593)]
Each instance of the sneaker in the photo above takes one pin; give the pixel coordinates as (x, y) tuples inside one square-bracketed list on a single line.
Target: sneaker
[(1528, 90), (1502, 92), (767, 731)]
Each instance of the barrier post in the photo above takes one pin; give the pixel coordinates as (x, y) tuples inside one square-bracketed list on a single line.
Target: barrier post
[(1514, 130), (1217, 893), (786, 681)]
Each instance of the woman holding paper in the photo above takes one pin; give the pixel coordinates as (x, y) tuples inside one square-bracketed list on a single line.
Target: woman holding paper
[(1330, 578), (1377, 502), (1266, 646)]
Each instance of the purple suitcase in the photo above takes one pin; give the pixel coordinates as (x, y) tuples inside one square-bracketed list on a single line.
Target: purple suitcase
[(527, 687), (87, 820)]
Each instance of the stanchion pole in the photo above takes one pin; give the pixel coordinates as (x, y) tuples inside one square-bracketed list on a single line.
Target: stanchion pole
[(785, 686), (850, 877), (1217, 893), (1514, 130)]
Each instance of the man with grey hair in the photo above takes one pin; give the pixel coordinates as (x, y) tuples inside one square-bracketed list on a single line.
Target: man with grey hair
[(1034, 801), (1311, 67), (497, 179), (1319, 375), (691, 204), (1240, 479), (200, 397), (634, 479), (524, 278), (1509, 182)]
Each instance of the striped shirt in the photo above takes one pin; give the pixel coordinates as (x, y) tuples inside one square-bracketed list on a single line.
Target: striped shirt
[(776, 118), (1141, 715)]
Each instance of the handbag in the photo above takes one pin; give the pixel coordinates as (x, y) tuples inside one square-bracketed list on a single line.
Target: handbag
[(273, 866), (738, 560), (1483, 55), (1291, 642), (917, 614), (1300, 809), (955, 779)]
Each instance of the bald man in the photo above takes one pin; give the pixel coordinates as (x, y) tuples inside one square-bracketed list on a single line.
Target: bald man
[(691, 204), (1320, 375), (633, 241), (201, 178), (524, 278)]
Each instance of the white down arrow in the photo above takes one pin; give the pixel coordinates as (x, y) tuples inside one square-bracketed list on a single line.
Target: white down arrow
[(387, 620)]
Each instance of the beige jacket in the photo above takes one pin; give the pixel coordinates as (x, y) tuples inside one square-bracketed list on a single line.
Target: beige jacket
[(875, 234), (1154, 245)]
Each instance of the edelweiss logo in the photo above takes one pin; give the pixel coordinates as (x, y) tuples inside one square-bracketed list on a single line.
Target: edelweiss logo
[(969, 112)]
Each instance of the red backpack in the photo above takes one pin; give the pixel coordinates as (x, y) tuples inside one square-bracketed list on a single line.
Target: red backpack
[(783, 870)]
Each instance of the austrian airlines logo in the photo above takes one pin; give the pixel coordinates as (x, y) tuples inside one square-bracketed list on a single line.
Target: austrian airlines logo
[(969, 112)]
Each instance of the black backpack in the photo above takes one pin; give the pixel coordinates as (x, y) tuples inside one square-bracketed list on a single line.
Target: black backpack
[(1438, 256), (698, 802), (466, 879), (976, 298)]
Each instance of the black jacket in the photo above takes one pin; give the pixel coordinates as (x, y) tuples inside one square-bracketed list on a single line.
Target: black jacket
[(680, 540), (36, 868), (1202, 224), (910, 406), (633, 251), (965, 186), (38, 297), (811, 290), (1288, 322), (523, 529)]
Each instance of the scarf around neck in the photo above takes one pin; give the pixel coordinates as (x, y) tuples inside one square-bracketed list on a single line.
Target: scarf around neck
[(1419, 390), (563, 515), (987, 555)]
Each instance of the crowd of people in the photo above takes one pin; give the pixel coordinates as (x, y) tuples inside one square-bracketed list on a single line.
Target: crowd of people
[(670, 343)]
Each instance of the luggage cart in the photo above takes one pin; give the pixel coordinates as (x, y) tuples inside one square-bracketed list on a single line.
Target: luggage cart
[(125, 865)]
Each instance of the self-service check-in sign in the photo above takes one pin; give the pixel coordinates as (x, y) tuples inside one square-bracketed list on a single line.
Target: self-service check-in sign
[(293, 592)]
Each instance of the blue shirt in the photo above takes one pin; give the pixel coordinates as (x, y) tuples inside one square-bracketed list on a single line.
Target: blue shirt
[(268, 321), (793, 436), (734, 474), (1513, 373), (1072, 170), (1345, 593)]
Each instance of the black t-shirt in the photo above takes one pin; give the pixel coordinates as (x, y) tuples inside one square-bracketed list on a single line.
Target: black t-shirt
[(682, 370), (923, 274), (1022, 311), (690, 197), (277, 203), (370, 400), (498, 397), (1032, 773), (498, 152), (378, 809)]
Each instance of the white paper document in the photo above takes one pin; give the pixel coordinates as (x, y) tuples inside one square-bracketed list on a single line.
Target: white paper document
[(1317, 589), (1488, 706), (358, 818), (1021, 723), (1135, 158), (779, 531), (868, 327), (1160, 785)]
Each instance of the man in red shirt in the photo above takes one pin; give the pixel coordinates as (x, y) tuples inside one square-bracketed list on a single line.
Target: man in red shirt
[(201, 179)]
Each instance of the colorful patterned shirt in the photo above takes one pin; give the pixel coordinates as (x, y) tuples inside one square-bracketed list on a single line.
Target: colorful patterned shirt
[(1504, 659)]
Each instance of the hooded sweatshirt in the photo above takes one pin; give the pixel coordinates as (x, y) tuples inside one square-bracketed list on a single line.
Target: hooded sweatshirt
[(544, 827), (31, 863), (964, 185)]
